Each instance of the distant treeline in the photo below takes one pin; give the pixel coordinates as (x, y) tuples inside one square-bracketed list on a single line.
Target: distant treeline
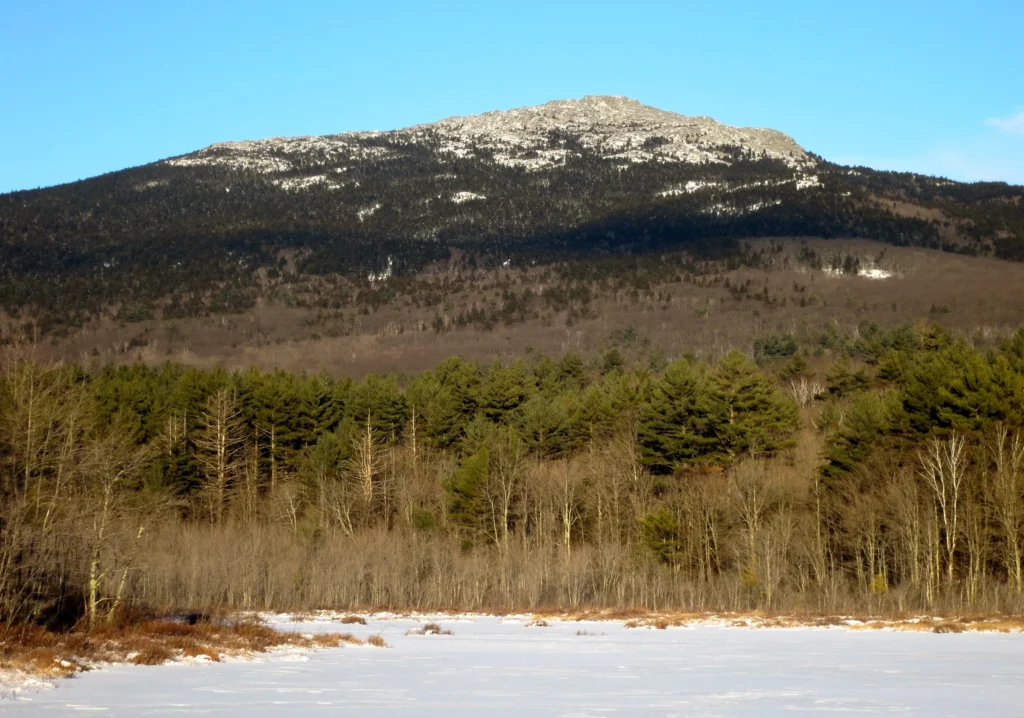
[(880, 472)]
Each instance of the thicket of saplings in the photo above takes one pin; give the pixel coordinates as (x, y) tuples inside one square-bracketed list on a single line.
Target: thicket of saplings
[(881, 474)]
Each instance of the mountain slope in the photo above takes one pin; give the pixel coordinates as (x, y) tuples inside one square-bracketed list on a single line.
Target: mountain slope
[(569, 179)]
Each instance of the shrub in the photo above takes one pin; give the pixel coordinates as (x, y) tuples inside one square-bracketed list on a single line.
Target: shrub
[(430, 629)]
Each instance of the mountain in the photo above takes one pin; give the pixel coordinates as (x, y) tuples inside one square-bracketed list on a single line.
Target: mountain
[(224, 227)]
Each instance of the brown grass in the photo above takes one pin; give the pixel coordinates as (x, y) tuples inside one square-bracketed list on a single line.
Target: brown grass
[(430, 629), (45, 653), (377, 640), (348, 620), (665, 620)]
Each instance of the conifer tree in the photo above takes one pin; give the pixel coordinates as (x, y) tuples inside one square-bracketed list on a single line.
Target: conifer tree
[(503, 390), (593, 418), (466, 491), (449, 397), (546, 424), (751, 413), (570, 370), (677, 423), (380, 401)]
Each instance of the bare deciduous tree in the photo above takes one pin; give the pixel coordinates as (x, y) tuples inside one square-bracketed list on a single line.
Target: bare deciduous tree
[(219, 447), (1006, 494), (943, 465)]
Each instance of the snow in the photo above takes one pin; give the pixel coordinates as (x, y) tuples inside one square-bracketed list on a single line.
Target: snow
[(808, 181), (461, 197), (300, 183), (869, 273), (384, 275), (689, 188), (504, 667), (368, 211), (151, 184), (718, 209), (802, 182)]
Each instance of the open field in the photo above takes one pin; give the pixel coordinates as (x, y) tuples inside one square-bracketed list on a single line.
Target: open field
[(515, 665), (642, 310)]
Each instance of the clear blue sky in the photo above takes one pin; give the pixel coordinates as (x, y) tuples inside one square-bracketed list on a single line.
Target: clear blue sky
[(90, 87)]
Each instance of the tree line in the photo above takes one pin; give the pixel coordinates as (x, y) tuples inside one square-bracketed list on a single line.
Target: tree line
[(880, 472)]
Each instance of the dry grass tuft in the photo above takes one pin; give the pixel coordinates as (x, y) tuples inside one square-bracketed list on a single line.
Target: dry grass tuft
[(377, 640), (349, 620), (152, 655), (430, 629)]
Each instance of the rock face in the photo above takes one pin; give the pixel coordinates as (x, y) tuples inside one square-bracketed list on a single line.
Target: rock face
[(617, 129)]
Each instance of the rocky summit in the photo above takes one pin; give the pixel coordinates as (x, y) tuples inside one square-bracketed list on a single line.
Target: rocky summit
[(618, 129)]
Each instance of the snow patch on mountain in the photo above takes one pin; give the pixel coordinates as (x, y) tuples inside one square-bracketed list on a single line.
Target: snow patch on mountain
[(720, 210), (300, 183), (689, 188), (368, 211), (462, 197), (802, 182)]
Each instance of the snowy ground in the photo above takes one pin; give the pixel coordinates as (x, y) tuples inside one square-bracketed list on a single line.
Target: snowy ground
[(501, 667)]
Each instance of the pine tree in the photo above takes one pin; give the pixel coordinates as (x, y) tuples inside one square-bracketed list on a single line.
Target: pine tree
[(796, 367), (570, 371), (449, 397), (379, 401), (677, 424), (465, 489), (503, 390), (752, 414), (546, 424), (661, 535), (866, 420), (593, 418)]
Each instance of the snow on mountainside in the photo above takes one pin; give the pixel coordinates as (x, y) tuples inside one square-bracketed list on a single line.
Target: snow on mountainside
[(617, 129)]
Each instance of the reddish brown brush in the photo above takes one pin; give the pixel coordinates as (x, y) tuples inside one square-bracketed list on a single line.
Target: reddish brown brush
[(150, 642)]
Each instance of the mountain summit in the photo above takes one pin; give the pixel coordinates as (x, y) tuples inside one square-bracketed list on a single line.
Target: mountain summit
[(619, 128), (614, 128)]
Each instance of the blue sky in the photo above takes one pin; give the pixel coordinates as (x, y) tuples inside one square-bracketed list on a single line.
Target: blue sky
[(934, 87)]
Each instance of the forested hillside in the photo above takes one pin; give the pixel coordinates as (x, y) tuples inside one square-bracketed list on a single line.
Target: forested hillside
[(235, 224), (881, 472)]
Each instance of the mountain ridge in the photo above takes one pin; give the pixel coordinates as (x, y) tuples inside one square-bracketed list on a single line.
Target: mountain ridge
[(617, 127), (570, 179)]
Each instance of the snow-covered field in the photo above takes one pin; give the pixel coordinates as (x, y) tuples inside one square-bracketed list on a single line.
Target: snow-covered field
[(502, 667)]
